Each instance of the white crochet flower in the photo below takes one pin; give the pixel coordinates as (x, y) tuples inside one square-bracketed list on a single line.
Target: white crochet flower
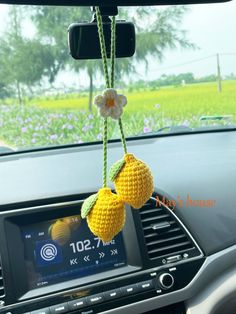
[(110, 103)]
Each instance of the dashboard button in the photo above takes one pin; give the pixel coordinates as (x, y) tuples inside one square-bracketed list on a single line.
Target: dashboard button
[(145, 285), (166, 281), (42, 311), (96, 298), (77, 304), (112, 294), (129, 289), (59, 308)]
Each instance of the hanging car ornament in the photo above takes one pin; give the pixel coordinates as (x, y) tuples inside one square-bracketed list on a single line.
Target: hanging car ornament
[(105, 210)]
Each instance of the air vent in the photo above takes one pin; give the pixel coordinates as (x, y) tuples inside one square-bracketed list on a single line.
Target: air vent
[(2, 289), (165, 236)]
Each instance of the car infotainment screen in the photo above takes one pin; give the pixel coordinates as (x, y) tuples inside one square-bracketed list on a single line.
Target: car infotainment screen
[(64, 249)]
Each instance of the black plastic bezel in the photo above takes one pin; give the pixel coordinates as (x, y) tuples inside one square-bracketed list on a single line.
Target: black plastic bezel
[(12, 222)]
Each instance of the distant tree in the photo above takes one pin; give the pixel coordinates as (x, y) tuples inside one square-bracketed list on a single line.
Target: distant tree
[(186, 77), (205, 79), (230, 76), (92, 68), (172, 79), (52, 25), (23, 61), (157, 30), (4, 91)]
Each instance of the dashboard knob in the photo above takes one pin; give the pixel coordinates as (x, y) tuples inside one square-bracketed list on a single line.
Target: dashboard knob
[(166, 281)]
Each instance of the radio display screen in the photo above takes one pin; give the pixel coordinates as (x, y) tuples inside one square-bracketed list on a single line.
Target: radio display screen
[(65, 249)]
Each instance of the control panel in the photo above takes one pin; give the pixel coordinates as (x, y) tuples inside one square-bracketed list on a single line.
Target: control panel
[(58, 266), (113, 293)]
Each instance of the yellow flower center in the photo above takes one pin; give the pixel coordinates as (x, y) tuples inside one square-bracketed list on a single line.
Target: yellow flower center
[(110, 102)]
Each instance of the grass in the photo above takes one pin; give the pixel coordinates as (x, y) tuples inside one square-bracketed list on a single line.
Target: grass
[(65, 119), (175, 99)]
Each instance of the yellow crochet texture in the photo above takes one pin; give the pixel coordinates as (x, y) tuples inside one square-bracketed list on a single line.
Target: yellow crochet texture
[(107, 217), (134, 183)]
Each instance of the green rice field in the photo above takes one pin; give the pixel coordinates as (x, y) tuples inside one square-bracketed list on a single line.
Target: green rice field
[(65, 119)]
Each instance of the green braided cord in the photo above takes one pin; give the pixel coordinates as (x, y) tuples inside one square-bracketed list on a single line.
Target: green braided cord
[(105, 69), (122, 136), (113, 49), (109, 83), (113, 54), (102, 46), (105, 152)]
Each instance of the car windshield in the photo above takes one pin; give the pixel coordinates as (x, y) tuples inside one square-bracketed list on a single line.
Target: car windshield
[(182, 77)]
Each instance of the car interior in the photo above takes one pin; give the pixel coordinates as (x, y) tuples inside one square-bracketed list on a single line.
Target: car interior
[(83, 229)]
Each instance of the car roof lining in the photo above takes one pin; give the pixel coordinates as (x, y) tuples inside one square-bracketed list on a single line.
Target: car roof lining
[(108, 2)]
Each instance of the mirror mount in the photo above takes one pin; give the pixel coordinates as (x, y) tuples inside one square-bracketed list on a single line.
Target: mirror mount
[(81, 35)]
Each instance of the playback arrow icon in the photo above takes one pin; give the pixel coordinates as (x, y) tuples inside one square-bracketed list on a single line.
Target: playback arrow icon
[(101, 254), (114, 252), (87, 258)]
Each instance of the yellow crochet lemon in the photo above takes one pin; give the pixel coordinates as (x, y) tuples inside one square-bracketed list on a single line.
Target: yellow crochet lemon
[(134, 181), (60, 232), (107, 216)]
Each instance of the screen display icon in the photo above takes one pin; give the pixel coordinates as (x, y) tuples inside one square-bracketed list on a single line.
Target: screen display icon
[(47, 253)]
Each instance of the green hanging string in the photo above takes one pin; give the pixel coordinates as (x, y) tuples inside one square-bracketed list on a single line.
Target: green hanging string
[(109, 83), (105, 68), (123, 140), (102, 46), (104, 153), (113, 54), (113, 50)]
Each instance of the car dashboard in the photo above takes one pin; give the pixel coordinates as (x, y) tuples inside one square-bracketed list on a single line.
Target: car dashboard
[(176, 254)]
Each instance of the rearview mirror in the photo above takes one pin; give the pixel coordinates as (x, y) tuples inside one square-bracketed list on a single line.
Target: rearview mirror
[(84, 41)]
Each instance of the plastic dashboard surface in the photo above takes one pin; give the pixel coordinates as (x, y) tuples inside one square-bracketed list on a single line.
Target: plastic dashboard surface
[(202, 166)]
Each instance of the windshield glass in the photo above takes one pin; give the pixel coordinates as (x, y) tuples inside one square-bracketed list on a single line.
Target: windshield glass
[(181, 78)]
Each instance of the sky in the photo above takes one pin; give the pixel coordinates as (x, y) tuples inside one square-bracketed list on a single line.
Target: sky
[(210, 26)]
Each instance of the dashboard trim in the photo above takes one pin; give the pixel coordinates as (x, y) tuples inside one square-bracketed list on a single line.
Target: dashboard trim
[(212, 267), (217, 298)]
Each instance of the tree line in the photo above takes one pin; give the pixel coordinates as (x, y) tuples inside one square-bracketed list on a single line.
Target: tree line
[(177, 80)]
